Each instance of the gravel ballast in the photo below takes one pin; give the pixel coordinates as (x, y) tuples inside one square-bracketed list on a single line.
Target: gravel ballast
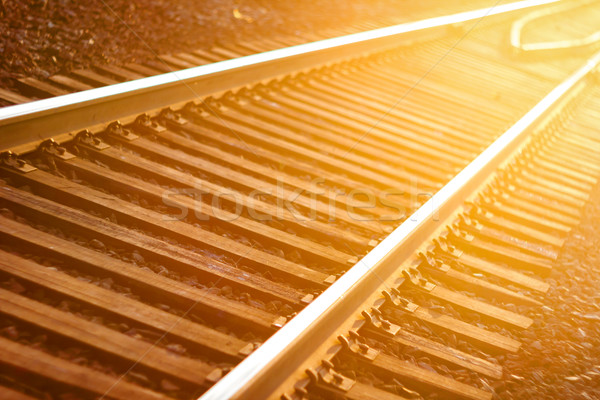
[(560, 357), (40, 38)]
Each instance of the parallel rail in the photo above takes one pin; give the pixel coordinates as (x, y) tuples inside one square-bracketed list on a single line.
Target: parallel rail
[(318, 326)]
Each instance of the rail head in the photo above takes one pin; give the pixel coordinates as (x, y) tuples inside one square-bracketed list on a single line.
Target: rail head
[(258, 375), (24, 125)]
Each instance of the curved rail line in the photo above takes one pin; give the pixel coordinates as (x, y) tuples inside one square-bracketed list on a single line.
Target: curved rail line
[(550, 46)]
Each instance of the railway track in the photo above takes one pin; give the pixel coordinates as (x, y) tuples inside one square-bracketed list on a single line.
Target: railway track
[(301, 231)]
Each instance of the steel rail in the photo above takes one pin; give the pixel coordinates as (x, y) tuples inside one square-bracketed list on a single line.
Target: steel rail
[(60, 117), (261, 373), (517, 27)]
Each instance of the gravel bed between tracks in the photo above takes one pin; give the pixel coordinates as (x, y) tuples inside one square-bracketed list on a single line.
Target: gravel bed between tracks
[(40, 38), (561, 351)]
